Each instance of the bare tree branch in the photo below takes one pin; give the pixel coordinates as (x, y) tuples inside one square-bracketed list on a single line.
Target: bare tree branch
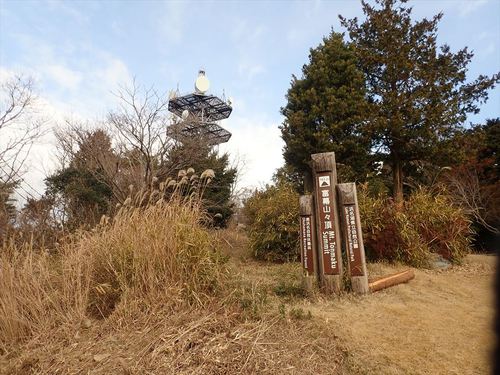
[(19, 126), (140, 125), (469, 195)]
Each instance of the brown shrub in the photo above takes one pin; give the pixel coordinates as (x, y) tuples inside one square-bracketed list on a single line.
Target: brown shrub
[(427, 223), (158, 253)]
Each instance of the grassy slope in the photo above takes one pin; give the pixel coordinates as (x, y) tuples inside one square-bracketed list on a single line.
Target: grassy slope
[(230, 331), (438, 323)]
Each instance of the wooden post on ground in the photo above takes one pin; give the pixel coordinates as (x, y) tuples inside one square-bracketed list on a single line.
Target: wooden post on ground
[(391, 280), (308, 246), (353, 237), (327, 221)]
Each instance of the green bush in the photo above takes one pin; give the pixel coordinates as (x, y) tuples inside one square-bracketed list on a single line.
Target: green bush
[(426, 223), (273, 223)]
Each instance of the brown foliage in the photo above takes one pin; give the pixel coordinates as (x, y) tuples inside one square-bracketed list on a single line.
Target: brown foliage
[(427, 222)]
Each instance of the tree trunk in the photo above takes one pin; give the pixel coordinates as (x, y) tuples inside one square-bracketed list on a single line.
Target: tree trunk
[(397, 178), (308, 182)]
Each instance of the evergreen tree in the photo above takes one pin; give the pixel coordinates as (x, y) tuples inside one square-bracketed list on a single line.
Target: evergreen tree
[(200, 156), (81, 185), (419, 93), (491, 149), (325, 110), (7, 207), (85, 198)]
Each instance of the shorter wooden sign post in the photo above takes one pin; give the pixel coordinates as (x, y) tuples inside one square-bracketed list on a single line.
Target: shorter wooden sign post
[(308, 251), (353, 237), (327, 222)]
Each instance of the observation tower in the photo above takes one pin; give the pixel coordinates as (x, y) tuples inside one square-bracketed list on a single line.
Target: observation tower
[(198, 114)]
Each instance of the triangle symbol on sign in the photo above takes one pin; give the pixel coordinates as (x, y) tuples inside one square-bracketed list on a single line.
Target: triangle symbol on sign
[(325, 183)]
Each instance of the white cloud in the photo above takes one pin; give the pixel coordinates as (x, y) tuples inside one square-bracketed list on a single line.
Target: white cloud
[(5, 73), (116, 28), (258, 145), (467, 7), (249, 70), (41, 163), (490, 49), (63, 76), (39, 152), (296, 36), (244, 33), (171, 21), (113, 72), (248, 39), (487, 42), (63, 7), (80, 92)]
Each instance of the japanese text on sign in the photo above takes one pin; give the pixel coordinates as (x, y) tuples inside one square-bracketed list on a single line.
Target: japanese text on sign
[(306, 238), (327, 224), (353, 241)]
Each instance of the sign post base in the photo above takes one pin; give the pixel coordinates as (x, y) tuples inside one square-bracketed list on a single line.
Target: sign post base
[(360, 284), (332, 284), (308, 282)]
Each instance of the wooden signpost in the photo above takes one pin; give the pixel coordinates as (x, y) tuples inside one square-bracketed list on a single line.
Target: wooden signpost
[(327, 221), (353, 237), (320, 236), (308, 253)]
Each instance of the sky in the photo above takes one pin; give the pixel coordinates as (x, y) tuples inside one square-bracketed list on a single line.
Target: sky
[(79, 52)]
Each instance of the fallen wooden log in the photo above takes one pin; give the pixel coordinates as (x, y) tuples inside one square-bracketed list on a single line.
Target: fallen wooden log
[(391, 280)]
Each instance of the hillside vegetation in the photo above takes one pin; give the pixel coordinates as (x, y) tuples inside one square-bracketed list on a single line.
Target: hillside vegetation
[(154, 291), (148, 291)]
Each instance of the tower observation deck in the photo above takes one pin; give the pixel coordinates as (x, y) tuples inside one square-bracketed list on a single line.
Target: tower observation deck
[(198, 114)]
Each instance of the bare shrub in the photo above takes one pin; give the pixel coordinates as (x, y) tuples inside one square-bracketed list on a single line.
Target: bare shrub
[(475, 196)]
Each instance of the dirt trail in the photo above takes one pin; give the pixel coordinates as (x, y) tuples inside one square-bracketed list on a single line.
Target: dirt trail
[(439, 323)]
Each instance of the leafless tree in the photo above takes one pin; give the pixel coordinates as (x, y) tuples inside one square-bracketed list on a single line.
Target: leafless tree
[(133, 149), (477, 201), (238, 193), (140, 125), (20, 126)]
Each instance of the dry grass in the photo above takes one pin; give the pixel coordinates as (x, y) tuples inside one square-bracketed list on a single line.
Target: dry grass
[(146, 292), (235, 245), (212, 340), (159, 253), (149, 293), (439, 323)]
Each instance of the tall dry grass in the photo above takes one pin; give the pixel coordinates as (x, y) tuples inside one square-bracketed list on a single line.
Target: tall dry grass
[(155, 251), (148, 292)]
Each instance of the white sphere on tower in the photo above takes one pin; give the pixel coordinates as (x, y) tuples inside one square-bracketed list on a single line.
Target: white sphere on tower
[(202, 83)]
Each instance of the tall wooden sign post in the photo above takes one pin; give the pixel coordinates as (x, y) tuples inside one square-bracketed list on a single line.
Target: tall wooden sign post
[(353, 237), (308, 253), (327, 221)]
